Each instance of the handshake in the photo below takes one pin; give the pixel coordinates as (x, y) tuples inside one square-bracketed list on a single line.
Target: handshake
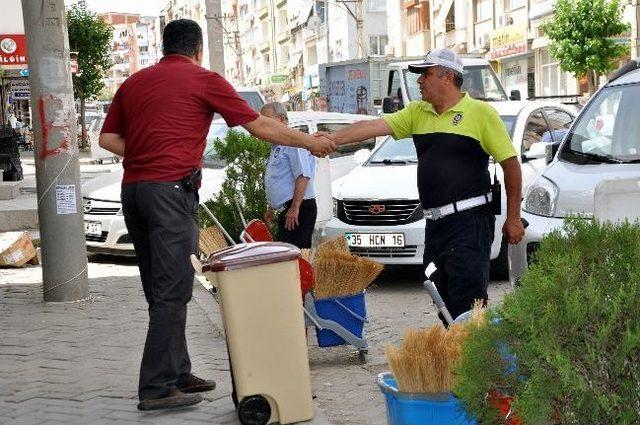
[(320, 144)]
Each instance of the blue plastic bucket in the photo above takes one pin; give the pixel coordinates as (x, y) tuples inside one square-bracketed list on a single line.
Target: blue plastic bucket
[(341, 310), (421, 409)]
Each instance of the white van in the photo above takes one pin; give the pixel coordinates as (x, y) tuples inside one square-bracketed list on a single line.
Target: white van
[(602, 144)]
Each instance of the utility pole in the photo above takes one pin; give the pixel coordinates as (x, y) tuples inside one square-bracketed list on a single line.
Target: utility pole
[(60, 210), (215, 32)]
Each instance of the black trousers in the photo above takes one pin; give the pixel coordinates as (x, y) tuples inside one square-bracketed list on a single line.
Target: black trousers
[(460, 247), (301, 235), (162, 221)]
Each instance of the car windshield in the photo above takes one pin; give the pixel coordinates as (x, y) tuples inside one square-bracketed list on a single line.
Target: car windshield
[(479, 81), (608, 130), (509, 122), (394, 152)]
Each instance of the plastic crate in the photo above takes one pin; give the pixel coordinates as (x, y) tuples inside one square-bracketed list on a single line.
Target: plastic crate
[(350, 312), (421, 409)]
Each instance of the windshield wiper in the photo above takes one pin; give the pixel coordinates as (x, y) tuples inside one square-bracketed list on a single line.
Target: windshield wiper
[(390, 162), (607, 159)]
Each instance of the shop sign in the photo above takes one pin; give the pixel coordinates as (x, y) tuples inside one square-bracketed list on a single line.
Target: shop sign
[(508, 41), (13, 49), (19, 89), (279, 79)]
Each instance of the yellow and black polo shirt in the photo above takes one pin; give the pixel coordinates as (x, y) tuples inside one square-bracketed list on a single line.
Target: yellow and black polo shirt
[(453, 148)]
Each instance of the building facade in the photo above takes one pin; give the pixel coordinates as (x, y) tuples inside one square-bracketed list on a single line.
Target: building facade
[(509, 34), (278, 45), (136, 44)]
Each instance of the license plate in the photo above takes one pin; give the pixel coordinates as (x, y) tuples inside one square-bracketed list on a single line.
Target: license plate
[(93, 228), (372, 240)]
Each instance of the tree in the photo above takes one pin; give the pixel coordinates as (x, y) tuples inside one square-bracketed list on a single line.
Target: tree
[(581, 34), (90, 36)]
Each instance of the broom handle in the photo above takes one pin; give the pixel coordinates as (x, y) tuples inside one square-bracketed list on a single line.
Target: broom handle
[(217, 223), (244, 222), (437, 300)]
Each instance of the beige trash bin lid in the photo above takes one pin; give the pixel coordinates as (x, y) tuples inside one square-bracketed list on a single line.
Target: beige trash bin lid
[(243, 256)]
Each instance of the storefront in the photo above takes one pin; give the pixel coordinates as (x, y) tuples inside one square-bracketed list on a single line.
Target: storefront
[(509, 48), (551, 79)]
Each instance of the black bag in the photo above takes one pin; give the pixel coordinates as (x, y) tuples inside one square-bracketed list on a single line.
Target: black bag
[(496, 193)]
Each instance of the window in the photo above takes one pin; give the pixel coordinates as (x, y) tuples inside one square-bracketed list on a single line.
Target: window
[(418, 18), (558, 119), (377, 5), (344, 150), (377, 44), (515, 4), (554, 81), (608, 127), (534, 130), (450, 21), (303, 128), (483, 10), (319, 12)]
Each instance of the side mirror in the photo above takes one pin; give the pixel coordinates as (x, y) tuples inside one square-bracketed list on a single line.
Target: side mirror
[(515, 95), (537, 151), (360, 156), (551, 149), (388, 105)]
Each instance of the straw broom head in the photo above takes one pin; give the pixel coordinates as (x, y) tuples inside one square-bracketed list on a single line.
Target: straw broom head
[(342, 275), (210, 240)]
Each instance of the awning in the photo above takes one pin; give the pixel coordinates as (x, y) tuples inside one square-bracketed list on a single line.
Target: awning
[(539, 43), (294, 60), (303, 15)]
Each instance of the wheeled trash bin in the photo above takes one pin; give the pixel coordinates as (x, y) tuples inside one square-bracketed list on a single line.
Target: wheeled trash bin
[(259, 293)]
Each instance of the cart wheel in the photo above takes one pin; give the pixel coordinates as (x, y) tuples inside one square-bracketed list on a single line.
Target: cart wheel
[(254, 410), (362, 355)]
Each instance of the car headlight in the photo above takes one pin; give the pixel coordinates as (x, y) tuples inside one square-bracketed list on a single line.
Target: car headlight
[(541, 197)]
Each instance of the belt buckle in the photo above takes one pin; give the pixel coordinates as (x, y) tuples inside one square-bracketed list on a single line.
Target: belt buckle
[(434, 214)]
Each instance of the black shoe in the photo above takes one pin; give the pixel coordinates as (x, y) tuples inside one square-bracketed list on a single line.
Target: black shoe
[(175, 398), (196, 385)]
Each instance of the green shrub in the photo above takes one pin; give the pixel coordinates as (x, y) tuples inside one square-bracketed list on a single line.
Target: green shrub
[(573, 326), (246, 158)]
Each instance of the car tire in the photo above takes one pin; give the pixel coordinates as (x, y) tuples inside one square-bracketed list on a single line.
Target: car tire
[(499, 268)]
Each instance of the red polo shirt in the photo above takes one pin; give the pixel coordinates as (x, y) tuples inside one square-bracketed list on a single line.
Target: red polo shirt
[(164, 113)]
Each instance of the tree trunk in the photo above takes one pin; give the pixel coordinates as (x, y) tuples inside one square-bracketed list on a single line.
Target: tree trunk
[(83, 127), (591, 81)]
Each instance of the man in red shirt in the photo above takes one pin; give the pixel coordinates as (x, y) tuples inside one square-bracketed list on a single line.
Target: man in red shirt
[(158, 122)]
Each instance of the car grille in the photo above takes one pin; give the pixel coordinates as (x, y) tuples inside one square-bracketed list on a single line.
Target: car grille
[(101, 238), (98, 207), (386, 252), (389, 212)]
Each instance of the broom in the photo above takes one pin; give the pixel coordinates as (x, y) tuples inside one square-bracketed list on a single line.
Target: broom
[(425, 361), (343, 275)]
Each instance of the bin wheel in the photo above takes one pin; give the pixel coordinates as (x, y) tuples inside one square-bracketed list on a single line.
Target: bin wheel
[(254, 410), (362, 356)]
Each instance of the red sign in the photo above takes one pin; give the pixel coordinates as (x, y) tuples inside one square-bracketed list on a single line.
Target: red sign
[(13, 49)]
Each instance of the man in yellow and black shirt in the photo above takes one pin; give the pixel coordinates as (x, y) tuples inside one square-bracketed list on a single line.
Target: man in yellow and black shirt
[(454, 136)]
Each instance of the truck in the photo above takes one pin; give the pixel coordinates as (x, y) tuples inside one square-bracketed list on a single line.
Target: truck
[(384, 84)]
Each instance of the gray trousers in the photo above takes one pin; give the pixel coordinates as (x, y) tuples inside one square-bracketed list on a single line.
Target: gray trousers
[(161, 218)]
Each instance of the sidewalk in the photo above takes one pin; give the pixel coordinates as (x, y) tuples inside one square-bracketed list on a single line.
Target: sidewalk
[(77, 363)]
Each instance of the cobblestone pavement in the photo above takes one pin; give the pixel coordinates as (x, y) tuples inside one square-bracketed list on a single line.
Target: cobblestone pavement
[(77, 363)]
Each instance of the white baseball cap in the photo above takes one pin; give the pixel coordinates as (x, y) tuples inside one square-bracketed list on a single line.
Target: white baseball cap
[(440, 57)]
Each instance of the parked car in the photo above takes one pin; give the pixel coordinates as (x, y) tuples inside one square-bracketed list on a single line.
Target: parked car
[(104, 224), (377, 207), (602, 144)]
